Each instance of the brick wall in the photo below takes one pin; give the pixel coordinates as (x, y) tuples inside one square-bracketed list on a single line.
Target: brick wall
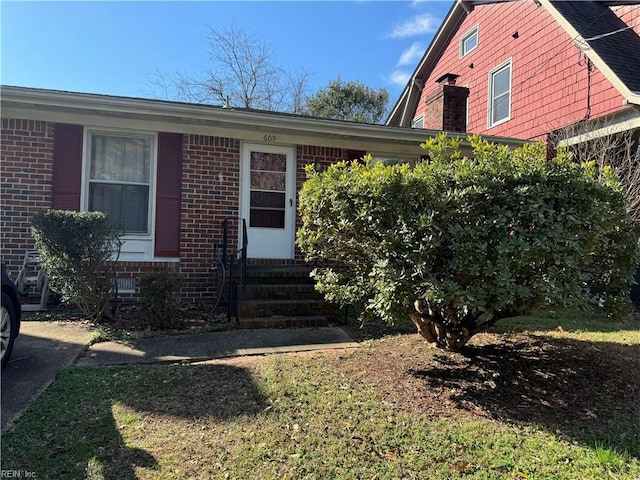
[(321, 157), (433, 109), (26, 169), (446, 108), (210, 186), (210, 194)]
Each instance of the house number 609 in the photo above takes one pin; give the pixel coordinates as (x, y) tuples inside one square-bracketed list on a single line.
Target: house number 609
[(269, 138)]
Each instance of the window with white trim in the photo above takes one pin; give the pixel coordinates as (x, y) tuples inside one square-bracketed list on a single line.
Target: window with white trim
[(500, 94), (469, 41), (418, 122), (119, 180)]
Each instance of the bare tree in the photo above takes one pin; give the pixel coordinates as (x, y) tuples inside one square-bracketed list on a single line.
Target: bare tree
[(243, 74), (179, 87), (598, 141), (298, 82)]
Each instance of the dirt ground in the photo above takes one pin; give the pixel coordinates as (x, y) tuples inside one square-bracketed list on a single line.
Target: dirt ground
[(582, 389)]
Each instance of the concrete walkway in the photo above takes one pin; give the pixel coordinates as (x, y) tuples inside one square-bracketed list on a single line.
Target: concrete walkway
[(41, 350), (210, 346), (45, 348)]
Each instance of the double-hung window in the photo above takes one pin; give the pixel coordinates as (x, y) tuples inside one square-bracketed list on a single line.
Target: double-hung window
[(500, 94), (119, 183), (469, 41)]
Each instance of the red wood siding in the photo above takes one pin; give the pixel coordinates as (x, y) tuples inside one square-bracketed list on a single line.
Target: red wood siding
[(630, 14), (549, 77), (67, 166)]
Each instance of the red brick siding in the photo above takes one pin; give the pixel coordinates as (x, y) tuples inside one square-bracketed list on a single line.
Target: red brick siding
[(321, 157), (432, 108), (549, 77), (210, 194), (206, 202), (445, 108), (26, 169)]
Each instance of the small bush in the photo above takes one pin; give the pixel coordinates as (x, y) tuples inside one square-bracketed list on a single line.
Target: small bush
[(79, 251), (159, 298)]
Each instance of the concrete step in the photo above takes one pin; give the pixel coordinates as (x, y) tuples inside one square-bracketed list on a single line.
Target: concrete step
[(278, 291), (279, 275), (277, 321), (269, 308)]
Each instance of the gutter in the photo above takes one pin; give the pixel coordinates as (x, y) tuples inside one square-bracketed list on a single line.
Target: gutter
[(71, 103)]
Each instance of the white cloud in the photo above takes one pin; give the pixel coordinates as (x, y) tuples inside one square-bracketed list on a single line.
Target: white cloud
[(411, 55), (419, 25), (399, 77)]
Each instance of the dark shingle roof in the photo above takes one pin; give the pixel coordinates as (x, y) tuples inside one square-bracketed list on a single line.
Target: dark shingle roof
[(596, 22)]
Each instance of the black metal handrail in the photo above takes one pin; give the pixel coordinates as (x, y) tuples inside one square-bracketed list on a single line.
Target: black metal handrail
[(241, 257), (243, 252)]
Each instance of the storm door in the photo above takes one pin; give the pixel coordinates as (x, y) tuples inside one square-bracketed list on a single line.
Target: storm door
[(268, 200)]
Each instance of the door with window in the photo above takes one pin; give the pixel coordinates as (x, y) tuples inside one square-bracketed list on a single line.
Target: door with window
[(268, 200)]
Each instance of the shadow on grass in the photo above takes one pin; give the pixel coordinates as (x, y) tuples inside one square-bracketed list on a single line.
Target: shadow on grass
[(570, 320), (376, 329), (587, 391), (75, 431)]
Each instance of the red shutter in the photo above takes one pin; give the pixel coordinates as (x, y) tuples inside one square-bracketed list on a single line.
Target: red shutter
[(168, 195), (67, 166), (355, 154)]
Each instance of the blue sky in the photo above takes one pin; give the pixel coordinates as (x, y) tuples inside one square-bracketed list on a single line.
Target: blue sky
[(116, 47)]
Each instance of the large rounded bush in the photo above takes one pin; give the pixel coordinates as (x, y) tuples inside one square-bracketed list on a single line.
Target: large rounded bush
[(458, 243)]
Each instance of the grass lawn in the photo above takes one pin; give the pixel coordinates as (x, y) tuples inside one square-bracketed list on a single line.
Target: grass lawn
[(548, 397)]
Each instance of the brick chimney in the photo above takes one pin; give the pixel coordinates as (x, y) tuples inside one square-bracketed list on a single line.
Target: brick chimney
[(446, 106)]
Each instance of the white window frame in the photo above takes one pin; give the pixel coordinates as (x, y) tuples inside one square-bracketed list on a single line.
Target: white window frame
[(500, 68), (418, 122), (474, 31), (138, 246)]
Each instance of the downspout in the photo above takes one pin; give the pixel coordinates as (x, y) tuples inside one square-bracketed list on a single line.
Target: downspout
[(590, 68)]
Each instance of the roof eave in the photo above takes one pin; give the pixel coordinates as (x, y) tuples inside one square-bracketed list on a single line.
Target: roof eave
[(133, 106), (411, 95), (409, 98), (40, 103)]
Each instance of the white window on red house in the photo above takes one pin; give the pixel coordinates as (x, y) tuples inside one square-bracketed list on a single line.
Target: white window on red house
[(418, 122), (119, 180), (500, 94), (469, 41)]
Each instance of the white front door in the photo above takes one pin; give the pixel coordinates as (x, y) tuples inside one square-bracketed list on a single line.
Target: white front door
[(268, 200)]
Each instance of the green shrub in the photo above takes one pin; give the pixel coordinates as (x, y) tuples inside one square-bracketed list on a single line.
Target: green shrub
[(79, 251), (159, 298), (458, 243)]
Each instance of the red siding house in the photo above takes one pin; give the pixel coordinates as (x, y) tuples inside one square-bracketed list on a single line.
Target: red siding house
[(170, 173), (527, 68)]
